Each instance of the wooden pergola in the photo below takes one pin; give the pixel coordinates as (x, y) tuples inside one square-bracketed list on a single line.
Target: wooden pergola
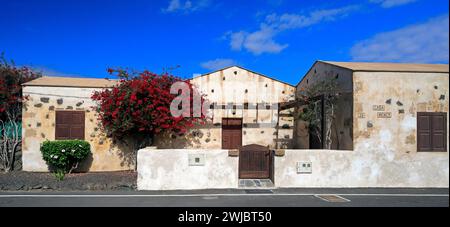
[(297, 104)]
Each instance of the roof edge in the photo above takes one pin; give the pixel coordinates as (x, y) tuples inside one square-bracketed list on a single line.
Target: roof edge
[(29, 83), (335, 63), (225, 68)]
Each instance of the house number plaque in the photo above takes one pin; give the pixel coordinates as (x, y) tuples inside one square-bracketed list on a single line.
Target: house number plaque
[(378, 107), (384, 114)]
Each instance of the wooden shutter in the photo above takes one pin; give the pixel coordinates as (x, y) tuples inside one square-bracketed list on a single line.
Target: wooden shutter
[(69, 125), (423, 132), (431, 131), (439, 131)]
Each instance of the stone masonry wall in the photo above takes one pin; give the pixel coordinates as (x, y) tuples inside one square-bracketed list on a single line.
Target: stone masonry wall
[(38, 123)]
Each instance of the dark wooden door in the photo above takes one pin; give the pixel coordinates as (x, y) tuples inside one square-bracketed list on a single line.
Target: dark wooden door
[(255, 162), (231, 133), (69, 125), (431, 131)]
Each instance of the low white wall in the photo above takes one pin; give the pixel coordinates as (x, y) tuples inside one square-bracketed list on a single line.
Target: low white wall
[(169, 169), (368, 168)]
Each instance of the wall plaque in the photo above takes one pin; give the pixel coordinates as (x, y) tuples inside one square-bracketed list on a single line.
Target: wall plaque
[(384, 114), (378, 107)]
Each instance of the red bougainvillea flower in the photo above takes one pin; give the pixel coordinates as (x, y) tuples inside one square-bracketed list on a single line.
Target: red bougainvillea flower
[(141, 104), (11, 78)]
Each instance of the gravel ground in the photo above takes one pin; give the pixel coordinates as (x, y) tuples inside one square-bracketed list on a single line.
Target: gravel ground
[(116, 181)]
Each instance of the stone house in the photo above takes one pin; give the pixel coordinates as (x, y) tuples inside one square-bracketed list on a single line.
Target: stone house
[(403, 107), (60, 108), (390, 130), (244, 110)]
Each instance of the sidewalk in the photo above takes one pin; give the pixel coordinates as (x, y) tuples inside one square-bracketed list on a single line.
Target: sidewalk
[(230, 192)]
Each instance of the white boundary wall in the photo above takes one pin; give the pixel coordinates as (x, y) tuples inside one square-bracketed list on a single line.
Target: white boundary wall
[(369, 168), (169, 169)]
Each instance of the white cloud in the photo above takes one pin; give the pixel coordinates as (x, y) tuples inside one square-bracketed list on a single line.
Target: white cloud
[(52, 73), (294, 21), (392, 3), (185, 6), (257, 42), (427, 42), (262, 40), (237, 40), (218, 63)]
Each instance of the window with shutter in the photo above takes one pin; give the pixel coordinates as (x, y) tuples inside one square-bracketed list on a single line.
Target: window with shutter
[(431, 131), (69, 125)]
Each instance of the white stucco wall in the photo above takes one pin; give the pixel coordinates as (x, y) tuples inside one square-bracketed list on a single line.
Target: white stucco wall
[(363, 168), (402, 96), (169, 169)]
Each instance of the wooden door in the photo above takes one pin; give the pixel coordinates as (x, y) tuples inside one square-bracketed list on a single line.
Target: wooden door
[(255, 162), (231, 133)]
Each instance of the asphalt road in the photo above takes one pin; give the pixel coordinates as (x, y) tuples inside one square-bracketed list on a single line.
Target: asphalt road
[(233, 198)]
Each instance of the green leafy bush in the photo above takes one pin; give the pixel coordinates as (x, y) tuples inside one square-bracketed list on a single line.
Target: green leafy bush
[(63, 156)]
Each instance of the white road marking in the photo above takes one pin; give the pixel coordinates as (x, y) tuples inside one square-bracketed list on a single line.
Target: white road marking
[(212, 195), (319, 196)]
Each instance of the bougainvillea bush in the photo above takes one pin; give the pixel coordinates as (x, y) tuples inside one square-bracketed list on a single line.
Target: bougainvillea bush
[(11, 78), (11, 102), (63, 156), (139, 106)]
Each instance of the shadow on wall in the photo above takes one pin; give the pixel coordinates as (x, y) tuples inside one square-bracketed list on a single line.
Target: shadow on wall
[(194, 138), (85, 165), (127, 150), (301, 134), (124, 149)]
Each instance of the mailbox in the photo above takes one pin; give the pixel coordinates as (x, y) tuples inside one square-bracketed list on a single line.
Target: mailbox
[(304, 167)]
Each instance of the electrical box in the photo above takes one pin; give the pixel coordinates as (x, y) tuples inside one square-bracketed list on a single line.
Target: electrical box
[(196, 159), (304, 167)]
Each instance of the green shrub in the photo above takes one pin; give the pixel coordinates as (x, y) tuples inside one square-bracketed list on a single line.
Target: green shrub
[(63, 156)]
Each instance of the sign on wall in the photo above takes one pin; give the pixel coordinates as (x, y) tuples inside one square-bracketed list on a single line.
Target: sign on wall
[(384, 114), (378, 108)]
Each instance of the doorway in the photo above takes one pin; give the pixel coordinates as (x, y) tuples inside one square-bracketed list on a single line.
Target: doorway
[(231, 133)]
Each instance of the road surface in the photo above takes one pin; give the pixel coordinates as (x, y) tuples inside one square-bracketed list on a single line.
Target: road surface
[(232, 198)]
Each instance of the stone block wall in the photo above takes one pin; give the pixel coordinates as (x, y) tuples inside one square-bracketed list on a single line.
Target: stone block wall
[(38, 125)]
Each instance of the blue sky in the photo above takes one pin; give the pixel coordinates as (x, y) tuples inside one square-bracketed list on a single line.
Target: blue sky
[(279, 38)]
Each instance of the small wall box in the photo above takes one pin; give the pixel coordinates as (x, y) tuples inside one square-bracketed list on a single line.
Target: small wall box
[(196, 159), (304, 167)]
